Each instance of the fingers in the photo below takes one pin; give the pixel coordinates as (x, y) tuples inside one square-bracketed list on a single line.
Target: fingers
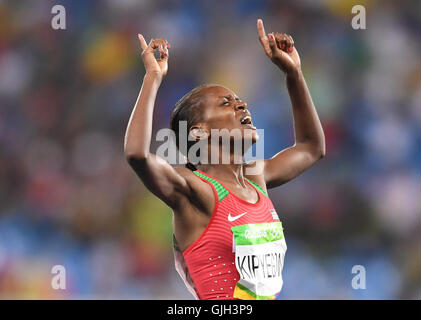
[(162, 45), (142, 41), (284, 42), (292, 43), (159, 43), (275, 51), (163, 53), (263, 38), (261, 29)]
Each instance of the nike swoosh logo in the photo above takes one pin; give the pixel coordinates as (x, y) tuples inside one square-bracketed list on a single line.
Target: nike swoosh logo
[(231, 218)]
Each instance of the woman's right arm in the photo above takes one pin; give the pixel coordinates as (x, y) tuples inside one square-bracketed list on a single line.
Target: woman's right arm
[(158, 176)]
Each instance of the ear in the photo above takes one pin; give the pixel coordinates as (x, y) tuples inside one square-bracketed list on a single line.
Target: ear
[(199, 132)]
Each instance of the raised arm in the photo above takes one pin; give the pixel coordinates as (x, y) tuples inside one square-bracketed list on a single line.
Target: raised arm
[(157, 175), (309, 144)]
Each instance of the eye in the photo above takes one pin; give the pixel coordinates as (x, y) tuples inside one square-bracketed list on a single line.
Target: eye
[(225, 103)]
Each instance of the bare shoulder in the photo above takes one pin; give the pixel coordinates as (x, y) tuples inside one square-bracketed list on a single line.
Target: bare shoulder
[(188, 175), (254, 171), (201, 193)]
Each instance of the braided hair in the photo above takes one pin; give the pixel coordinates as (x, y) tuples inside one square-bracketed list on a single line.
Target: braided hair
[(187, 109)]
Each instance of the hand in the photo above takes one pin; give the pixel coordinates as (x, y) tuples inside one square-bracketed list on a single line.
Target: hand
[(280, 49), (156, 67)]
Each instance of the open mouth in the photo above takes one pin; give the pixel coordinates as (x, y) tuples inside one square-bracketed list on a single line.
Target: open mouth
[(246, 120)]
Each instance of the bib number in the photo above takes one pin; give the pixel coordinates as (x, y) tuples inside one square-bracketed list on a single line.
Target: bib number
[(259, 259)]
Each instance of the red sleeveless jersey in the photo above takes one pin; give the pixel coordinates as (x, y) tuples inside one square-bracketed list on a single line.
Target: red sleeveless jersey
[(240, 253)]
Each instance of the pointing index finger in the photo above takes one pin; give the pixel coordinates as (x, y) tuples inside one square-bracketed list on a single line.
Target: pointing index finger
[(142, 41), (261, 29), (263, 37)]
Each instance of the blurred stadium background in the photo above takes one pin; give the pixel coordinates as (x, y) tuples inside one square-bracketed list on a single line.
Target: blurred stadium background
[(68, 197)]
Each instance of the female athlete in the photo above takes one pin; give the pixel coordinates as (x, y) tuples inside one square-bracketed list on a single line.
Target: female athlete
[(228, 239)]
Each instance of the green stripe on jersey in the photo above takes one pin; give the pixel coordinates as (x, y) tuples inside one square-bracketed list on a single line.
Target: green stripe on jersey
[(220, 190), (258, 187)]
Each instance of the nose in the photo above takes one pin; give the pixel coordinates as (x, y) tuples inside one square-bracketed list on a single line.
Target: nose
[(241, 106)]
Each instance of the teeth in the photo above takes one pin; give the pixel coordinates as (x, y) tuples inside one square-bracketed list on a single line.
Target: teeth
[(246, 120)]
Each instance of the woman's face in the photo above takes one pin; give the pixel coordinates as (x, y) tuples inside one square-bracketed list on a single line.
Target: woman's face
[(223, 109)]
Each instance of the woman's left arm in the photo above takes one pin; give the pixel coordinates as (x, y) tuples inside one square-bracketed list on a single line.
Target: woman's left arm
[(309, 144)]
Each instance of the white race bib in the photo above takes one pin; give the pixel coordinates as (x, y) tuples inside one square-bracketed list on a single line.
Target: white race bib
[(259, 257)]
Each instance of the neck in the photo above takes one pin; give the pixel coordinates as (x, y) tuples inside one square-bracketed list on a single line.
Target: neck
[(229, 165), (230, 172)]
